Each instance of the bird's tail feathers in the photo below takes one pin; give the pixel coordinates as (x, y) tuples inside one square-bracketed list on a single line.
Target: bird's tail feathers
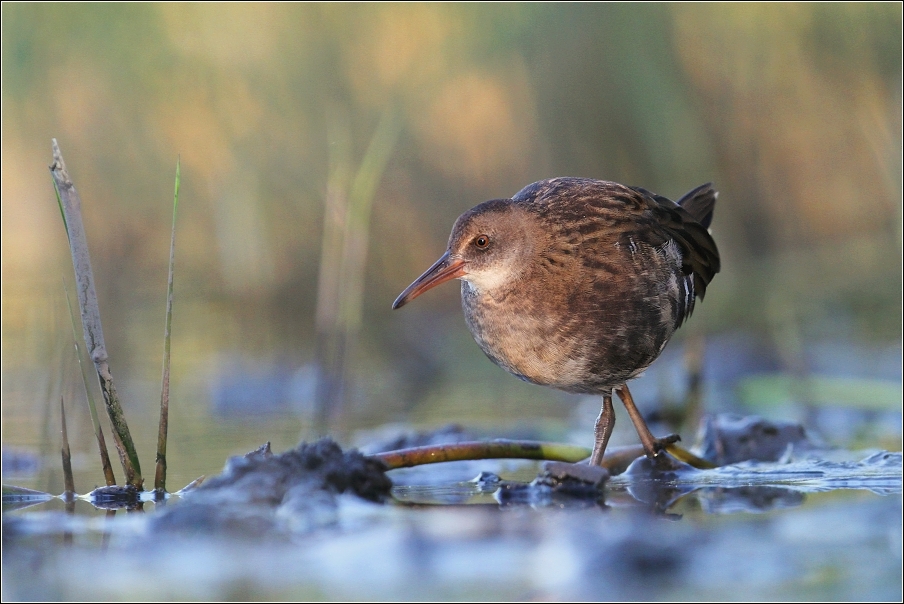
[(700, 202)]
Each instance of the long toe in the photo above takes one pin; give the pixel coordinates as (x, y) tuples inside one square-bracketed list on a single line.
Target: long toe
[(662, 442)]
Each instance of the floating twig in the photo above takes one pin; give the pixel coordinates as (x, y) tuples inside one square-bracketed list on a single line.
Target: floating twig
[(682, 454), (493, 449), (616, 461)]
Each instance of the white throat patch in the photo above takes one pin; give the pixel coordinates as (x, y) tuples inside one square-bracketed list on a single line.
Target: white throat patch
[(488, 280)]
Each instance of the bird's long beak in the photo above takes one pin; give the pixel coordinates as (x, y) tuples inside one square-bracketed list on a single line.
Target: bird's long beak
[(444, 269)]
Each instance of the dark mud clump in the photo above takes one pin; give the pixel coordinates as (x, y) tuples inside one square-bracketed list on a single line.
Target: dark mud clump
[(267, 478), (294, 491)]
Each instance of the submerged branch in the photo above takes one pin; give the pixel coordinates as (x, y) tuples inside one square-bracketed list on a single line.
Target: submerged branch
[(617, 459), (682, 454), (494, 449)]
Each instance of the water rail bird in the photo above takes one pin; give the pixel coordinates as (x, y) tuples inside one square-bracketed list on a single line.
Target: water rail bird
[(578, 284)]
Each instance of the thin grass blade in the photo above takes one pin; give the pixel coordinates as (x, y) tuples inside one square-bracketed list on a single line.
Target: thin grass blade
[(160, 473), (92, 407), (68, 480)]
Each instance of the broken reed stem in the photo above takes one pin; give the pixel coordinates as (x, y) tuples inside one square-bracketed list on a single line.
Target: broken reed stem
[(683, 455), (68, 480), (95, 421), (160, 473), (616, 460), (70, 202), (494, 449)]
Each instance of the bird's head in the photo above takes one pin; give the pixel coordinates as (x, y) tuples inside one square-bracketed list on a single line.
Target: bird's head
[(490, 246)]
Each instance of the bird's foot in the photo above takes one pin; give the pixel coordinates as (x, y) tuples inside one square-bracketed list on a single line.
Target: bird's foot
[(660, 444)]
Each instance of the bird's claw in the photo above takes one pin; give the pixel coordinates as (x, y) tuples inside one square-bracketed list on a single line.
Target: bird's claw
[(660, 444)]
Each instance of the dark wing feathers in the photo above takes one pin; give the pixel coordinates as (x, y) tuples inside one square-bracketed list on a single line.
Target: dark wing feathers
[(681, 222)]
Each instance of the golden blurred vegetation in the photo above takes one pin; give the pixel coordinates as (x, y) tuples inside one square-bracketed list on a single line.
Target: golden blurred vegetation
[(793, 110)]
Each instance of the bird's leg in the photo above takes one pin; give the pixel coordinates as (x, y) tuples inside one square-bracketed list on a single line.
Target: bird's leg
[(603, 430), (651, 444)]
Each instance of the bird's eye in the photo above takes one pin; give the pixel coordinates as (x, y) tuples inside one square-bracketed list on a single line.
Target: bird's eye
[(482, 241)]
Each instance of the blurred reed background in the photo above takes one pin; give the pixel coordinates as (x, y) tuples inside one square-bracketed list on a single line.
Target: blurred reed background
[(327, 149)]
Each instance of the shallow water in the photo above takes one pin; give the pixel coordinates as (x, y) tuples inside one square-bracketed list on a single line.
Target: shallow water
[(819, 523), (825, 527)]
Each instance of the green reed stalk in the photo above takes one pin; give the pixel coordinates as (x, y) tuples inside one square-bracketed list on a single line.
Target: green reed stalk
[(160, 474)]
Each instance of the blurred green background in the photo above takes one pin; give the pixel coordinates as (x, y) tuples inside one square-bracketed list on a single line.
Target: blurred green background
[(326, 150)]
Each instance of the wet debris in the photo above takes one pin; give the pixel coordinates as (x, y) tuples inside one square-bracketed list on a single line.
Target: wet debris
[(115, 497), (264, 451), (559, 483), (263, 492), (663, 467), (487, 482), (727, 439), (659, 482), (263, 477), (561, 474)]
